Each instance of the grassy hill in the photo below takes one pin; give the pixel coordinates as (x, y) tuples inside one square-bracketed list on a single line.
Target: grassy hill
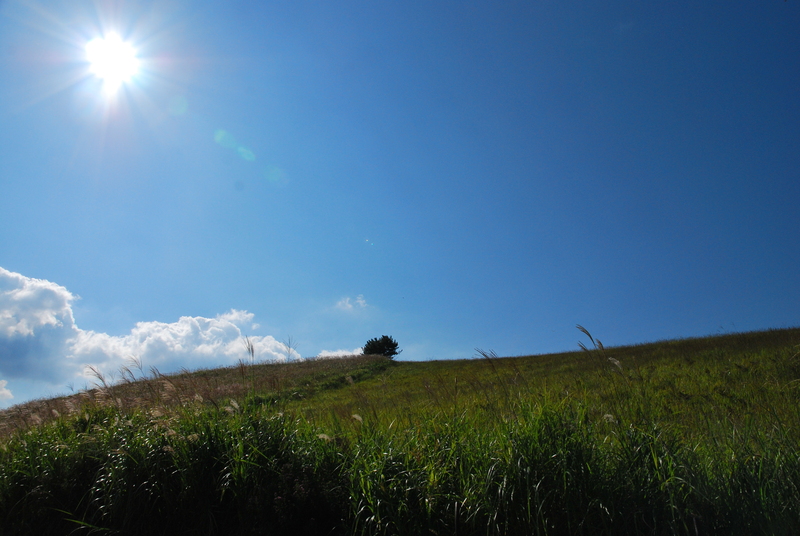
[(694, 436)]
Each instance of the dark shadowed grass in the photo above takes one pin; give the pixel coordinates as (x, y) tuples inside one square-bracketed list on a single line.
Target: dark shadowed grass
[(682, 437)]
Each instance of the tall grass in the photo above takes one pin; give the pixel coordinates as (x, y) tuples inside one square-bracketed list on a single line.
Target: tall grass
[(682, 437)]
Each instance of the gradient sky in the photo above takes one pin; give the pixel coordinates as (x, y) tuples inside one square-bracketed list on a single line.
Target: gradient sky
[(455, 174)]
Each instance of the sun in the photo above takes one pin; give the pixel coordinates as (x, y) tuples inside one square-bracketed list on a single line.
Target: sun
[(113, 60)]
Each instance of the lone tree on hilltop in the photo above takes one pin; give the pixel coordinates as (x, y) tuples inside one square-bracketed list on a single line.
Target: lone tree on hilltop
[(385, 346)]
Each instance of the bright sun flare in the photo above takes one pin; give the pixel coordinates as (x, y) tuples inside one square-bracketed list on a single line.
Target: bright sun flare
[(113, 60)]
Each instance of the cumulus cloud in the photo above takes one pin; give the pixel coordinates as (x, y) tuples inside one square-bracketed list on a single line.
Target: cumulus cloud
[(40, 341), (340, 353), (35, 324), (192, 342), (27, 304), (345, 304), (5, 394)]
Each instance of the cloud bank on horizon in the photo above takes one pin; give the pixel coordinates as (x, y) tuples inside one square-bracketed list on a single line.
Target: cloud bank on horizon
[(340, 353), (41, 343)]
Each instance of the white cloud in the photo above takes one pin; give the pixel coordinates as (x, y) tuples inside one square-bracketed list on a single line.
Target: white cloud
[(340, 353), (346, 305), (40, 342), (27, 304), (5, 394), (35, 324), (190, 342)]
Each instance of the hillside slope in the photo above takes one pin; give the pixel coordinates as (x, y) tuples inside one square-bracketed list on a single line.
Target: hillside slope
[(676, 437)]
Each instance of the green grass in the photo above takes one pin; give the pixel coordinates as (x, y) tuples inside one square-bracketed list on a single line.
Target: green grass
[(695, 436)]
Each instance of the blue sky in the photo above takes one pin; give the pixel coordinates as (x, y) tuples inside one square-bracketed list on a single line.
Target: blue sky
[(453, 174)]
